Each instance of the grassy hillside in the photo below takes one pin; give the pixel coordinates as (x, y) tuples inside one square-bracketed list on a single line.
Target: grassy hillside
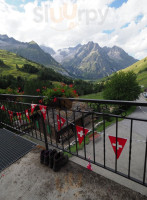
[(11, 60), (140, 68), (30, 51), (12, 64), (98, 95)]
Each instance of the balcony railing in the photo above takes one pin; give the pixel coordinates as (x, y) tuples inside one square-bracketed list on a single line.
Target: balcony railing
[(99, 131)]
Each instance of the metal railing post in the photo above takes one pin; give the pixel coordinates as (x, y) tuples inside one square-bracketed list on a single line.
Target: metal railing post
[(74, 117), (44, 132)]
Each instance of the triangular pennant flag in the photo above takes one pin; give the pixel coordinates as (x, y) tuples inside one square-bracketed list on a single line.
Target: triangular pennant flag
[(33, 108), (3, 107), (11, 114), (61, 121), (81, 132), (27, 114), (43, 110), (120, 144), (19, 116)]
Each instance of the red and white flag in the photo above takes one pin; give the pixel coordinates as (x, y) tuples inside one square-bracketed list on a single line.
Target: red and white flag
[(120, 144), (33, 106), (3, 107), (61, 121), (10, 114), (27, 114), (81, 132), (43, 110), (19, 116), (89, 166)]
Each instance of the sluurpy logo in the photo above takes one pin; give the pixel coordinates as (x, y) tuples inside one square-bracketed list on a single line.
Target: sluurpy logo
[(65, 17), (60, 18)]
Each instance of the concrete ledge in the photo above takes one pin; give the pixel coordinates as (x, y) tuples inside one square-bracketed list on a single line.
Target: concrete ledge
[(27, 179)]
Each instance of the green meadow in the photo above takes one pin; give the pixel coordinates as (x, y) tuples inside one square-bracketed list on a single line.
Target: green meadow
[(98, 95), (11, 60), (140, 68)]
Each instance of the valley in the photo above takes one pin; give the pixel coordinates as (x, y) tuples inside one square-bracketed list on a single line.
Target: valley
[(89, 62)]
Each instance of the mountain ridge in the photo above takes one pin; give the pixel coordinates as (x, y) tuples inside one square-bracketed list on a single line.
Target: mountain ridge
[(90, 61), (30, 51), (17, 66)]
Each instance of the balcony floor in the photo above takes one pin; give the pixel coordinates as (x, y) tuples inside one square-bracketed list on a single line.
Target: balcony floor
[(12, 148), (27, 179)]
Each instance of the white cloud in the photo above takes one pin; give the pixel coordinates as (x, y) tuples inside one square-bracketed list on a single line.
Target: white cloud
[(55, 25)]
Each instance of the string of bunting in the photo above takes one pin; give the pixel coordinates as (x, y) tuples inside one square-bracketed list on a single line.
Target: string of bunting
[(42, 109), (19, 114), (81, 131), (61, 121), (102, 133)]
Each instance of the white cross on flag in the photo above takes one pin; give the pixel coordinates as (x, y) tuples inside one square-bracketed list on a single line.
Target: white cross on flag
[(33, 108), (81, 132), (3, 107), (120, 144), (43, 110), (27, 114), (19, 116), (61, 121), (11, 114)]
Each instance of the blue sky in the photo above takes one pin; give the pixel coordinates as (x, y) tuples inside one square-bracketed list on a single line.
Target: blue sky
[(117, 3), (19, 2), (138, 18), (122, 23), (109, 31), (126, 25)]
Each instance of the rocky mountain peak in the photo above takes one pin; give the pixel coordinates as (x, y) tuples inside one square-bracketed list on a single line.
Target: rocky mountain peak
[(91, 61), (3, 37), (32, 42)]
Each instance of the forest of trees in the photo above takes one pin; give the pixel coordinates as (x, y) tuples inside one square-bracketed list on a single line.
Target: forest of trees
[(28, 68), (44, 80), (122, 86), (45, 76)]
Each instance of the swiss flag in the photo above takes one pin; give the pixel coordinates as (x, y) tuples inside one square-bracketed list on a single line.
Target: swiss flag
[(81, 132), (33, 108), (3, 107), (19, 116), (61, 121), (11, 114), (27, 114), (120, 144), (43, 110)]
